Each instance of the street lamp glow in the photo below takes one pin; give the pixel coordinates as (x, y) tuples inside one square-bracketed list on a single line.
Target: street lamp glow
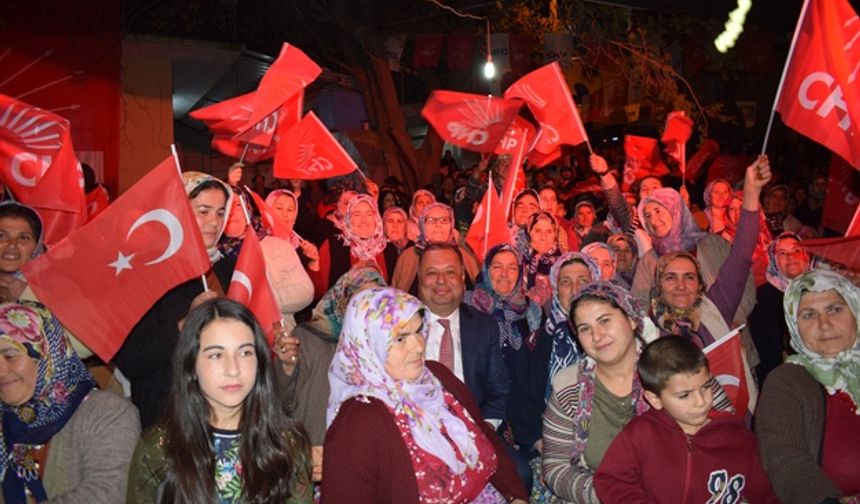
[(489, 68)]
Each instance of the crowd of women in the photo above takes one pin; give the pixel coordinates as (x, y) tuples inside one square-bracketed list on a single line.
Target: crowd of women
[(216, 415)]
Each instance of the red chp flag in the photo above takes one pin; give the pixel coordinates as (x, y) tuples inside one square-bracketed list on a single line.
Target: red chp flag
[(728, 367), (642, 159), (39, 166), (489, 227), (470, 121), (250, 285), (308, 151), (515, 143), (549, 99), (843, 194), (819, 96), (142, 245)]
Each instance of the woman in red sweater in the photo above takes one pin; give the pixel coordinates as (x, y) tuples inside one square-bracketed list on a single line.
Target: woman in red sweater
[(401, 431)]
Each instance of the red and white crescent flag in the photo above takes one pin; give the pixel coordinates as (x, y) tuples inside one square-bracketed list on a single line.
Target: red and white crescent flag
[(677, 131), (726, 361), (308, 151), (145, 243), (642, 159), (820, 97), (549, 98), (250, 285), (473, 122), (39, 166), (478, 236)]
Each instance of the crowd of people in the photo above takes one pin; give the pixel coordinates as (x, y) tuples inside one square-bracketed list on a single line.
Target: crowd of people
[(564, 365)]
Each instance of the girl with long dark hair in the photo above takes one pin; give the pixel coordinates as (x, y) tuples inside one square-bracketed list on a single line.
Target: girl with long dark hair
[(224, 438)]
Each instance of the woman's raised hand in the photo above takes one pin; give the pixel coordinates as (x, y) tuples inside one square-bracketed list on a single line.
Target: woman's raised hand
[(757, 176)]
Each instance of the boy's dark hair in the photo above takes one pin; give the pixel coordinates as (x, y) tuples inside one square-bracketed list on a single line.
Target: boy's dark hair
[(666, 357)]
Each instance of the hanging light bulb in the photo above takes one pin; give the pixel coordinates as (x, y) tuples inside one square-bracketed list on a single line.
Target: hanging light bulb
[(489, 68)]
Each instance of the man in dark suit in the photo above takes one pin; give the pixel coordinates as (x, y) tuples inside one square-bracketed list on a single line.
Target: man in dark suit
[(462, 338)]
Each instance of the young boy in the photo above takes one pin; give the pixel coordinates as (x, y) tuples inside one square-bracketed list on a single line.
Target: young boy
[(675, 453)]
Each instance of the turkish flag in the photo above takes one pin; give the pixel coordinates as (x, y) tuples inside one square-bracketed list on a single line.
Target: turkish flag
[(548, 97), (843, 194), (678, 129), (97, 200), (726, 361), (103, 277), (473, 122), (273, 224), (489, 226), (308, 151), (819, 96), (250, 285), (642, 159)]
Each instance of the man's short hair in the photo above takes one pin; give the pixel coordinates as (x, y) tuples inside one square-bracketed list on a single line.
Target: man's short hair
[(666, 357), (439, 246)]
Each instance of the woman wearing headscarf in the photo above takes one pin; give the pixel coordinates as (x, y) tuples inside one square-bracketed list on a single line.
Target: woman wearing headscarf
[(21, 241), (554, 348), (717, 197), (288, 277), (362, 241), (306, 351), (595, 397), (778, 213), (759, 257), (436, 225), (394, 221), (540, 250), (626, 255), (402, 429), (145, 358), (62, 439), (526, 203), (683, 302), (787, 260), (420, 199), (808, 422), (604, 256), (500, 292)]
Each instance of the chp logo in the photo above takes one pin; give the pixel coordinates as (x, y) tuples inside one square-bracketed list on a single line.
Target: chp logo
[(310, 163), (31, 137), (477, 117), (815, 81)]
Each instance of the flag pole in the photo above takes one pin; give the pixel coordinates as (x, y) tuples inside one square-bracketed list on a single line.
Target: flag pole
[(784, 71), (244, 153), (179, 169), (489, 213)]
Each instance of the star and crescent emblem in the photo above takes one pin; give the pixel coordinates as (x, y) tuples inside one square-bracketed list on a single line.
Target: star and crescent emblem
[(174, 229)]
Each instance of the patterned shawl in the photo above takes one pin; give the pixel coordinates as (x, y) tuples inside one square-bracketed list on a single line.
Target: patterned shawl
[(294, 239), (774, 276), (62, 383), (422, 234), (840, 373), (507, 310), (365, 249), (327, 318)]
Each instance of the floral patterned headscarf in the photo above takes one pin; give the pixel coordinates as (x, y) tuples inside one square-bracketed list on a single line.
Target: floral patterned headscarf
[(588, 250), (62, 383), (840, 373), (670, 320), (358, 369), (774, 275), (192, 179), (564, 349), (365, 249), (327, 319), (413, 210), (509, 309), (685, 233)]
